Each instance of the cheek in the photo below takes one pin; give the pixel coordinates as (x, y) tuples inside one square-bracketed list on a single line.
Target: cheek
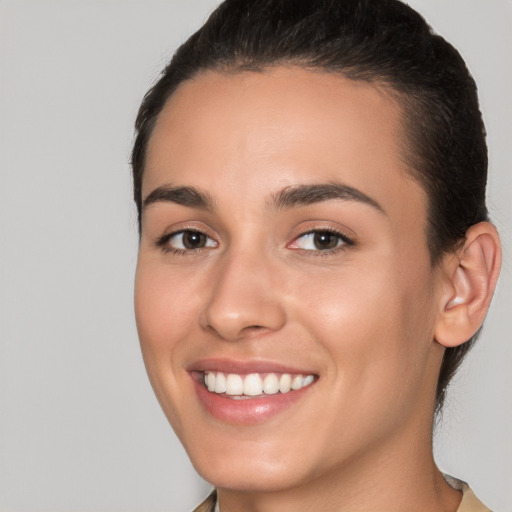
[(376, 324), (164, 307), (348, 303)]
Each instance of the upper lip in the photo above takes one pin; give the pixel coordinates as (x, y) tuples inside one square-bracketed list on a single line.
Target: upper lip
[(243, 367)]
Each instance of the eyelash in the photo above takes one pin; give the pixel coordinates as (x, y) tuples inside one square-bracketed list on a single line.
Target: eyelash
[(163, 243), (343, 240)]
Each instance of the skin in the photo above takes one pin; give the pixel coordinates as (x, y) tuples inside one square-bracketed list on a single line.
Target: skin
[(362, 318)]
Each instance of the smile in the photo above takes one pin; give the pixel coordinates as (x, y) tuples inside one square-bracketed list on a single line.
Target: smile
[(252, 385), (250, 392)]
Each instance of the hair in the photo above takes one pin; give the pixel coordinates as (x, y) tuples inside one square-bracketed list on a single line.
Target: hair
[(384, 42)]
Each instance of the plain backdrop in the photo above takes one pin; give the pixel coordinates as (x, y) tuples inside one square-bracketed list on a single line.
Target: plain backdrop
[(80, 429)]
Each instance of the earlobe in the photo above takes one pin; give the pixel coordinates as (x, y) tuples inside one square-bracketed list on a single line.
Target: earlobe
[(472, 277)]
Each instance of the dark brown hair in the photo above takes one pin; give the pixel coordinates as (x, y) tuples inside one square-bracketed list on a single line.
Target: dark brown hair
[(378, 41)]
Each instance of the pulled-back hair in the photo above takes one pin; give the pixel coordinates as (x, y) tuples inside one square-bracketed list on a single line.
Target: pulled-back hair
[(377, 41)]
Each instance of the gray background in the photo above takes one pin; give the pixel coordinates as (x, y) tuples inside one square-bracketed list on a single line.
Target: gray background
[(80, 429)]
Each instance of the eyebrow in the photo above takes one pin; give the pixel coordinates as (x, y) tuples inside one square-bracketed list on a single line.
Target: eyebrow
[(304, 195), (185, 196), (290, 197)]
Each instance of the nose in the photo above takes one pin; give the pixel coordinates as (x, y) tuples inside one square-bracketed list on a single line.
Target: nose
[(244, 299)]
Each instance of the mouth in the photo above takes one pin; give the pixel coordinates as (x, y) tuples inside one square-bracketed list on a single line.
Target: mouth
[(254, 385), (249, 393)]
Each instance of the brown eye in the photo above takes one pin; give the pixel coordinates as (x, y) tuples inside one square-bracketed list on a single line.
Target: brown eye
[(189, 240), (193, 239), (320, 240), (323, 240)]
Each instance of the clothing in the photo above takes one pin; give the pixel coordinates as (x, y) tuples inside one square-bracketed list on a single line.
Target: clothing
[(209, 504), (469, 503)]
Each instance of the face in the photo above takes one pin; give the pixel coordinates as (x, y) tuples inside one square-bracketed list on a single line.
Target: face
[(285, 299)]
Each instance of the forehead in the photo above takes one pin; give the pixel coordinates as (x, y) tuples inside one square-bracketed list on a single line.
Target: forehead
[(248, 133)]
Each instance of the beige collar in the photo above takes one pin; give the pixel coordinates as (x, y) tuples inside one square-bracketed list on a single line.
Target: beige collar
[(469, 503)]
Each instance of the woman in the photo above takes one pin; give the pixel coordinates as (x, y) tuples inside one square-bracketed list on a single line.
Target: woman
[(315, 256)]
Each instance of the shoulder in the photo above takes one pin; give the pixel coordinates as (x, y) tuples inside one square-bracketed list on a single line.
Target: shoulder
[(208, 505), (469, 503)]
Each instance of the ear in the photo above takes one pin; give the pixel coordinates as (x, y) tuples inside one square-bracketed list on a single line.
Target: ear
[(470, 279)]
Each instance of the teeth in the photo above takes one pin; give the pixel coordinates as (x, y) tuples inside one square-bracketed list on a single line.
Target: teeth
[(220, 383), (210, 381), (297, 382), (271, 384), (253, 384), (285, 383), (234, 384), (308, 379)]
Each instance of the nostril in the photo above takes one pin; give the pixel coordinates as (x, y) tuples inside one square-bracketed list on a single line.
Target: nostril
[(253, 329), (248, 331)]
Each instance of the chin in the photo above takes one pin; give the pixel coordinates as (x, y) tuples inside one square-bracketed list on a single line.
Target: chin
[(253, 467), (257, 477)]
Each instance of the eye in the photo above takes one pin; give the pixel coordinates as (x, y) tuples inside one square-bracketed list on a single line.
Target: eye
[(186, 240), (322, 240)]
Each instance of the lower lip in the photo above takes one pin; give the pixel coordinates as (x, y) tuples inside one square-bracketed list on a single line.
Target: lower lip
[(248, 411)]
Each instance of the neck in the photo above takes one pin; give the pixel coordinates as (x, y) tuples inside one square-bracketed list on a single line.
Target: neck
[(373, 481)]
